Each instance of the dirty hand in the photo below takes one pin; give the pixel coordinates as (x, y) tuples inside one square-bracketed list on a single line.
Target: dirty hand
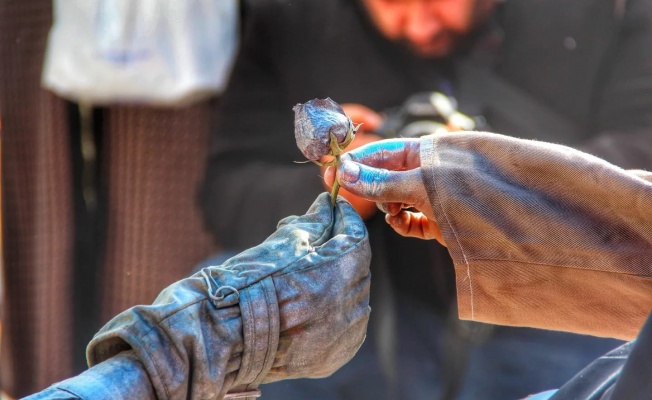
[(388, 172), (295, 306)]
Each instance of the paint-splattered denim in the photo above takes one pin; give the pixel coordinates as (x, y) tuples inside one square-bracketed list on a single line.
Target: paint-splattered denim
[(294, 306)]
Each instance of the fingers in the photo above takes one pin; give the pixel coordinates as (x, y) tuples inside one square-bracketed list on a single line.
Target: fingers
[(319, 219), (360, 139), (417, 225), (381, 185), (391, 208), (391, 154)]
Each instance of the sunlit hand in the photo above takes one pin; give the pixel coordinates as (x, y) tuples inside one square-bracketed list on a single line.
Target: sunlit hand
[(388, 172), (370, 121)]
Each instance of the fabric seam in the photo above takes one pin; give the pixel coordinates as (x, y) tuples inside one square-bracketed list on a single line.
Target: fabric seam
[(552, 265), (459, 244)]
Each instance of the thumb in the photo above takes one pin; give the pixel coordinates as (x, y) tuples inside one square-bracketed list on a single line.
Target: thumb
[(381, 185)]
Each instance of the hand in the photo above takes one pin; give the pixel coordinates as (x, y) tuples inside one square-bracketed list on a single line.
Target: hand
[(322, 285), (295, 306), (389, 173), (370, 121)]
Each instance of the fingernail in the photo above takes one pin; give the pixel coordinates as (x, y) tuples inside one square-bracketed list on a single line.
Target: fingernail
[(349, 172)]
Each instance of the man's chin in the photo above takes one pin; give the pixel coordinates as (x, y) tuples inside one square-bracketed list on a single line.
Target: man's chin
[(432, 52), (438, 49)]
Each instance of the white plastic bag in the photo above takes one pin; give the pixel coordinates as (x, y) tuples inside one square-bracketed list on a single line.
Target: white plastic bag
[(161, 52)]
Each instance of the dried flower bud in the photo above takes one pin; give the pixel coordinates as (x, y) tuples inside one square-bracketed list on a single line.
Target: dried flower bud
[(315, 122)]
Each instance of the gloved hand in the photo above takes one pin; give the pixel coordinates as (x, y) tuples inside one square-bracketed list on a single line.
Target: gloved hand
[(389, 173), (294, 306)]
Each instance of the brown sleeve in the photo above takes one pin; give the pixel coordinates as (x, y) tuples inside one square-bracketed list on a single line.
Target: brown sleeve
[(542, 235)]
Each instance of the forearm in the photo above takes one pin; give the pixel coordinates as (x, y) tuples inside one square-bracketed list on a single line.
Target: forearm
[(122, 377), (258, 317), (542, 235), (190, 346)]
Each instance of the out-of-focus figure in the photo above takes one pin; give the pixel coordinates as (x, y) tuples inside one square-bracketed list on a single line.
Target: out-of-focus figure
[(573, 73)]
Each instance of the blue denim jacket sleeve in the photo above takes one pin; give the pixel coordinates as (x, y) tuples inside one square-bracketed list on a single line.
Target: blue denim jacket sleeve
[(119, 378), (295, 306)]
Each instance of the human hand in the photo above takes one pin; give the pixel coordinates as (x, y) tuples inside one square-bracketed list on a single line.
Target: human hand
[(388, 172), (295, 306), (369, 121), (323, 291)]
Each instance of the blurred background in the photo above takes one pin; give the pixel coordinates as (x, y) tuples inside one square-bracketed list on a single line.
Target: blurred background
[(98, 207), (141, 140)]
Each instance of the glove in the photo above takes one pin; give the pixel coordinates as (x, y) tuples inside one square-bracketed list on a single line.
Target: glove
[(295, 306), (388, 172)]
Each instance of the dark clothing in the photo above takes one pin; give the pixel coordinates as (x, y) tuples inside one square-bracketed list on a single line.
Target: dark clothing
[(585, 61), (296, 51), (577, 59), (292, 53)]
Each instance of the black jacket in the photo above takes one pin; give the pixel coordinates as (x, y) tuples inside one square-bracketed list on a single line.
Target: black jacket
[(587, 61)]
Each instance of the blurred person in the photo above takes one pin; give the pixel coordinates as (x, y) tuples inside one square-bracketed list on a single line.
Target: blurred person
[(577, 70)]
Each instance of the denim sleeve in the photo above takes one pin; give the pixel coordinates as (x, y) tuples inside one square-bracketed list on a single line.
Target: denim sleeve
[(542, 235), (294, 306), (120, 378)]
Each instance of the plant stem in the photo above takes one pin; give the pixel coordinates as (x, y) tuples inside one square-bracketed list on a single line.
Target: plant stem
[(336, 184)]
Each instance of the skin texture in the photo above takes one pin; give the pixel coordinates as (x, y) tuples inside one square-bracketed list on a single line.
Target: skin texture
[(430, 28), (388, 173)]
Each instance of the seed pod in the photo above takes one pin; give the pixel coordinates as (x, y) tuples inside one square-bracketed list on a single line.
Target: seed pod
[(318, 125)]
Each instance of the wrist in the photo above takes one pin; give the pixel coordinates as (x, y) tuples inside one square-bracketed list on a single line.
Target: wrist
[(120, 377), (219, 324)]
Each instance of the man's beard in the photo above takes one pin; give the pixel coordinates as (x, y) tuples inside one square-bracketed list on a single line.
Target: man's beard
[(439, 47)]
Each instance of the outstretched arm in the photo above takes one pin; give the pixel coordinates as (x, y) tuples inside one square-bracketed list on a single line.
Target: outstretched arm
[(295, 306), (541, 235)]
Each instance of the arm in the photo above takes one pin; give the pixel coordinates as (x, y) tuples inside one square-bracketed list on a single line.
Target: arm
[(122, 377), (295, 306), (541, 235)]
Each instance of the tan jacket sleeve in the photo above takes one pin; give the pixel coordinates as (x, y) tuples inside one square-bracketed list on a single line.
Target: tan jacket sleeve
[(542, 235)]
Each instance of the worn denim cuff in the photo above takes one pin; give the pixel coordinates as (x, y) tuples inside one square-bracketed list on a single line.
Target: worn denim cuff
[(190, 345), (229, 337), (294, 306), (121, 378), (260, 323)]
